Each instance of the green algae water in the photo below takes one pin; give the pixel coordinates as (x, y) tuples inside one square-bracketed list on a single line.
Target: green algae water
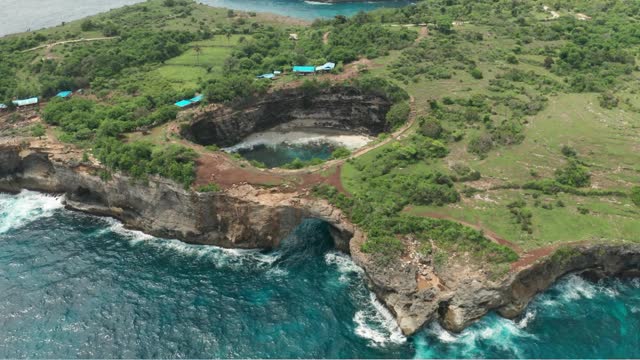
[(79, 286)]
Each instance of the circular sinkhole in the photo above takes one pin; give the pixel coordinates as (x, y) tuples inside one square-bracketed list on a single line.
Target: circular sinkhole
[(295, 148)]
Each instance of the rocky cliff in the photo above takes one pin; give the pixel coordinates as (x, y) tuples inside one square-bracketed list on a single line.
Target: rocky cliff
[(336, 107), (246, 217), (242, 217), (456, 297)]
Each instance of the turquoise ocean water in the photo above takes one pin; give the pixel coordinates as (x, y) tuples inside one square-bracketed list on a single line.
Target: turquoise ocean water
[(78, 286), (23, 15)]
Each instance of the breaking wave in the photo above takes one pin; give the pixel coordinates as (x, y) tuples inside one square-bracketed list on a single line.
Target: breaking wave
[(19, 210)]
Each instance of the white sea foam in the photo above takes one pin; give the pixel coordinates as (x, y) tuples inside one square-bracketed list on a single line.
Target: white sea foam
[(528, 316), (574, 287), (317, 3), (501, 333), (19, 210), (273, 138), (344, 265), (133, 235), (219, 256), (377, 325)]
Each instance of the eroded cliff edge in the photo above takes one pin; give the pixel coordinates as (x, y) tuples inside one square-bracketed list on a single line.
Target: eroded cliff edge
[(248, 217)]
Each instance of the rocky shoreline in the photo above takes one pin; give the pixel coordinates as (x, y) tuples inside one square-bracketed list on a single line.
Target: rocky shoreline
[(249, 217)]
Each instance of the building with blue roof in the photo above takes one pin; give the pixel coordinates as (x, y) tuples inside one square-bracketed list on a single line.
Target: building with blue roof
[(64, 94), (189, 102), (304, 70), (183, 103)]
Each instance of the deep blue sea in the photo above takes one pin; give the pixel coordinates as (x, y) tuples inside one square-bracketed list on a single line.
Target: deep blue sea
[(79, 286), (23, 15)]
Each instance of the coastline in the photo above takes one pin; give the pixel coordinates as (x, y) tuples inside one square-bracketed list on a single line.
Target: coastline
[(234, 218)]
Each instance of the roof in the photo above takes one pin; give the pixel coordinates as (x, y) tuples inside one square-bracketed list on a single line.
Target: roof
[(64, 94), (266, 76), (304, 69), (328, 66), (183, 103), (25, 102), (3, 106)]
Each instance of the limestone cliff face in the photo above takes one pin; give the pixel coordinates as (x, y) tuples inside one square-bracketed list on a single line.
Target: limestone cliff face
[(246, 217), (337, 107), (242, 217), (458, 299)]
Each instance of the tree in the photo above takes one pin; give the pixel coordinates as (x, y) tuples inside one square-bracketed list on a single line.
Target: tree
[(548, 62), (398, 115)]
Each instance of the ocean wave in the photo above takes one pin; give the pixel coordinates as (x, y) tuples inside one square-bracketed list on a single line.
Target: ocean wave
[(376, 324), (219, 256), (345, 266), (317, 3), (494, 331), (19, 210)]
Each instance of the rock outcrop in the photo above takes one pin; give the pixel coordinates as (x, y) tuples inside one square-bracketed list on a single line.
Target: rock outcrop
[(337, 107)]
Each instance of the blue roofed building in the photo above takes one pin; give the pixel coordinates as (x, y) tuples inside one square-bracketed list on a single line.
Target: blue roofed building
[(304, 70), (188, 102), (64, 94), (183, 103)]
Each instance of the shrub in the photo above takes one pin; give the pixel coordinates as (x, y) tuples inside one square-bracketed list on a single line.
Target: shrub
[(608, 100), (574, 175), (398, 115), (480, 144), (635, 195), (431, 127), (568, 151), (340, 153), (208, 188), (465, 173), (476, 73)]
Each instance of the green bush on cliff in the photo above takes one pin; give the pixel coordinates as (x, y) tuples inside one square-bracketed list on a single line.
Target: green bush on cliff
[(635, 195), (212, 187)]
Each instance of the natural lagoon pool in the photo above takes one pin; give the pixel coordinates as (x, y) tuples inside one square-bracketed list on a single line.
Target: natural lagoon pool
[(275, 148)]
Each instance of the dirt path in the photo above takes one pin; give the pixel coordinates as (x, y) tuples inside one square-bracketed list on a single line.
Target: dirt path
[(424, 32), (325, 38), (489, 234), (49, 46)]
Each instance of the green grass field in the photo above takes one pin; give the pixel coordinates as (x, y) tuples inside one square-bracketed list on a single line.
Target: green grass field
[(188, 69), (606, 140)]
